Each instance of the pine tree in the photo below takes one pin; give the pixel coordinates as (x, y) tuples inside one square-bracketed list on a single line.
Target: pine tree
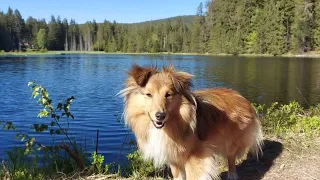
[(74, 35), (9, 26), (186, 40), (65, 28), (303, 26), (316, 30), (18, 29), (196, 30), (5, 41), (276, 32), (99, 44), (125, 44), (60, 34), (288, 17), (53, 34), (216, 12), (31, 25)]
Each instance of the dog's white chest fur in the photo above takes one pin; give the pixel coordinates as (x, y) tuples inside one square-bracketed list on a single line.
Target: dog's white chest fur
[(156, 147)]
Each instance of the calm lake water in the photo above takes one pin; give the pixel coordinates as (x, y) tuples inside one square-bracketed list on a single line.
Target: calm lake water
[(95, 79)]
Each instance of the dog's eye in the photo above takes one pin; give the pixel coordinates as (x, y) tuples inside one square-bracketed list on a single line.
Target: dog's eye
[(168, 95), (148, 94)]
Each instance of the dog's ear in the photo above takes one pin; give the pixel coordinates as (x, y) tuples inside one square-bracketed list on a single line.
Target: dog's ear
[(182, 82), (140, 74)]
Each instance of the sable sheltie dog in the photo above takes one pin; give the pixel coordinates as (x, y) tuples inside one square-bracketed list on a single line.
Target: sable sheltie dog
[(185, 129)]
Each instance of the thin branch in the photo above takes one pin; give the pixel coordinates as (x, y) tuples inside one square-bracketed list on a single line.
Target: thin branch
[(122, 145), (74, 155), (303, 96), (6, 171)]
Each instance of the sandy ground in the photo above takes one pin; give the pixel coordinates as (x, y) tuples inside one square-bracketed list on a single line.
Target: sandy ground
[(290, 160)]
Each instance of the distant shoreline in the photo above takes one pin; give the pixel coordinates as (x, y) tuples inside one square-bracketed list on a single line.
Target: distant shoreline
[(307, 55)]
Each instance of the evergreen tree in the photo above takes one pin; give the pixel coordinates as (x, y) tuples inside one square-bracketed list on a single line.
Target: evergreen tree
[(316, 30), (65, 35), (19, 30), (303, 26), (53, 31), (196, 38), (10, 30), (275, 31), (5, 41)]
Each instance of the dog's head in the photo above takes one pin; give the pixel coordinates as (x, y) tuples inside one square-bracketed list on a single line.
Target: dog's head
[(163, 91)]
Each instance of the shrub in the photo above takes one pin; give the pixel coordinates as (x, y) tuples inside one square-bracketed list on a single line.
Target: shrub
[(138, 167), (289, 118), (43, 50)]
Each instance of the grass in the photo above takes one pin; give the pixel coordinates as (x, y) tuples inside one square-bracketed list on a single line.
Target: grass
[(286, 120), (286, 126)]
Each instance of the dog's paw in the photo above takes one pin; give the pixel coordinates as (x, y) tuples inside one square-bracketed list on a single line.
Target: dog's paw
[(232, 176)]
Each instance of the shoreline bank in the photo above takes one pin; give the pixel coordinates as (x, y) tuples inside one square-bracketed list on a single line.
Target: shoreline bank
[(307, 55)]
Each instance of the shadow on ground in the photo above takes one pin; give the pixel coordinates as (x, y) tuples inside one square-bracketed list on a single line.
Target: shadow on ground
[(251, 169)]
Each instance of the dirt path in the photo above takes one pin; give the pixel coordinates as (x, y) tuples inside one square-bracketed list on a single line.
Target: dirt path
[(283, 160)]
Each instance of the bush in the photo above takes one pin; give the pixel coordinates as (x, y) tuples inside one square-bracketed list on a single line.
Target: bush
[(138, 167), (290, 118), (21, 167), (43, 50), (97, 162)]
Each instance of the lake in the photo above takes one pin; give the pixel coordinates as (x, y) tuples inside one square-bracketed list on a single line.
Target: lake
[(94, 81)]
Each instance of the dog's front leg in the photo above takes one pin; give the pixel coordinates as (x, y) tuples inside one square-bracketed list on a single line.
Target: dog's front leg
[(178, 173), (201, 168)]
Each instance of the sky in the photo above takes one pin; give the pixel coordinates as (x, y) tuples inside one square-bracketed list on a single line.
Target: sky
[(123, 11)]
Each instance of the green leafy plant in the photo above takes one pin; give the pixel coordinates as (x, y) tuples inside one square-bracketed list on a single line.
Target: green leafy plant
[(53, 157), (138, 166), (43, 50), (292, 118), (98, 160)]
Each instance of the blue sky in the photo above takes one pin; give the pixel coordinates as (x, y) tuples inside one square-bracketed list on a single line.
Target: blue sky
[(125, 11)]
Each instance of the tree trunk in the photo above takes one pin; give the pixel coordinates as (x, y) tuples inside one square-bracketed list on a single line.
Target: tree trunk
[(98, 44), (85, 42), (74, 43), (89, 40), (164, 42), (66, 42), (80, 43), (288, 35)]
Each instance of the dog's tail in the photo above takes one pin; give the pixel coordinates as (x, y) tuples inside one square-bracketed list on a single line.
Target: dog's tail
[(256, 148)]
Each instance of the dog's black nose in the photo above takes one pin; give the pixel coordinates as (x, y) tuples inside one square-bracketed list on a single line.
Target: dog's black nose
[(160, 116)]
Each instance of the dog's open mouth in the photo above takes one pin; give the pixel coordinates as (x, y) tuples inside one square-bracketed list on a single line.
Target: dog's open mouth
[(158, 124)]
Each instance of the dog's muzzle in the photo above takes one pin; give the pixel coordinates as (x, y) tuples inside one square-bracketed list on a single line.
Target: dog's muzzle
[(158, 124)]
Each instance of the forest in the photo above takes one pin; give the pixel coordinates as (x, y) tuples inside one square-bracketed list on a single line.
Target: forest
[(233, 27)]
